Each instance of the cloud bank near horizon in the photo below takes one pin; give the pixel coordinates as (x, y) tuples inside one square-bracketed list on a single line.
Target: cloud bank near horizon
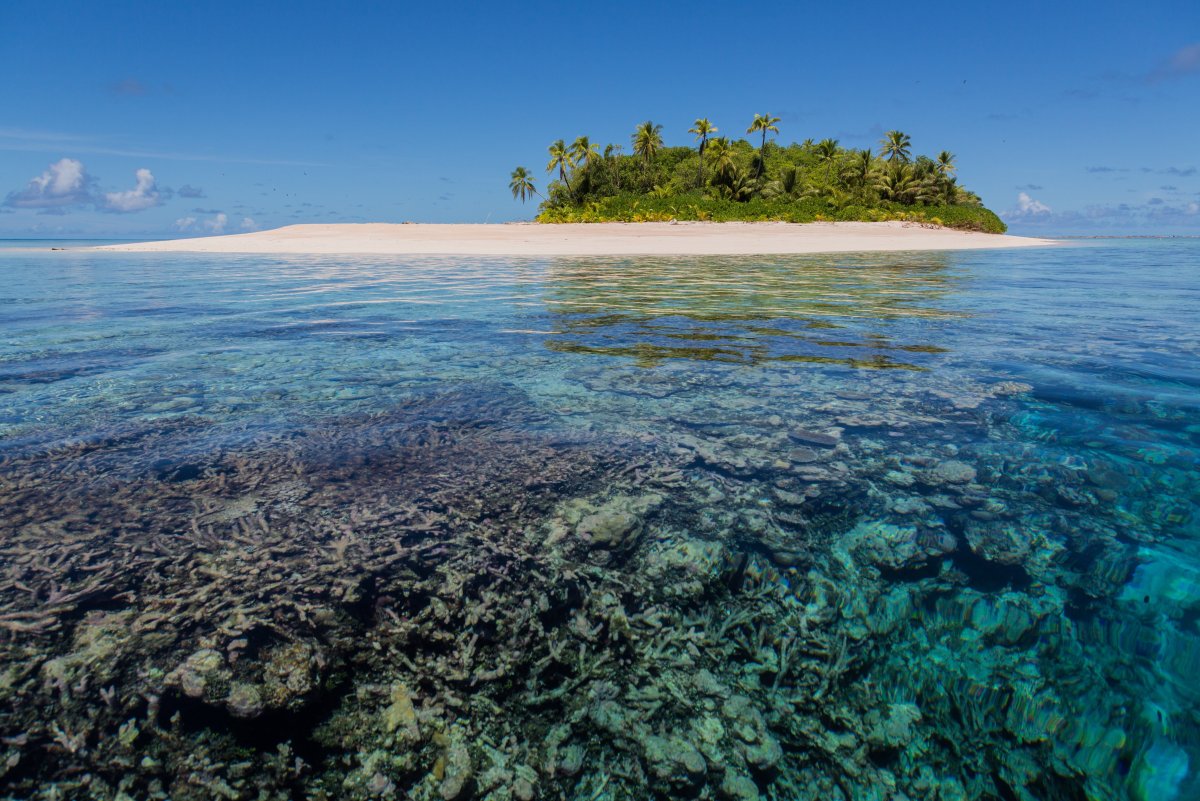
[(63, 184), (67, 185), (1154, 213)]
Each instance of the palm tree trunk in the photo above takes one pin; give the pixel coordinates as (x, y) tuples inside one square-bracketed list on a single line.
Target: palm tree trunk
[(563, 174)]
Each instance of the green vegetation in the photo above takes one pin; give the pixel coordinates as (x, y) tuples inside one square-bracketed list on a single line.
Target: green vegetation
[(722, 179), (521, 184)]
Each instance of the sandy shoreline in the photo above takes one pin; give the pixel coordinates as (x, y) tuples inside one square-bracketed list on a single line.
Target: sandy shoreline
[(599, 239)]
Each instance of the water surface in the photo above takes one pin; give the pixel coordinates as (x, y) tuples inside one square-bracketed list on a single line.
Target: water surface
[(854, 526)]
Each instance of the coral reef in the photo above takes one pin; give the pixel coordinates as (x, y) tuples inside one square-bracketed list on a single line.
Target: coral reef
[(454, 600)]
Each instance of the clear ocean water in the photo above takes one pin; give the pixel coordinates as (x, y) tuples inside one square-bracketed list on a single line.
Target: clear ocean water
[(876, 526)]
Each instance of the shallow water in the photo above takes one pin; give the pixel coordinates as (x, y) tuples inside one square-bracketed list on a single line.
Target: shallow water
[(855, 526)]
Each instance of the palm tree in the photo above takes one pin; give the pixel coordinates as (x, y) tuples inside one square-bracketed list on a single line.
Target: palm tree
[(788, 178), (560, 159), (522, 184), (764, 123), (827, 150), (582, 150), (612, 155), (928, 179), (948, 190), (896, 183), (925, 168), (647, 139), (722, 155), (907, 183), (702, 129), (895, 145), (945, 164), (737, 185), (861, 169)]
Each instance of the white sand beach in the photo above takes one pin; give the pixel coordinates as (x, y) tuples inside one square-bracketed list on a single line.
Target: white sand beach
[(596, 239)]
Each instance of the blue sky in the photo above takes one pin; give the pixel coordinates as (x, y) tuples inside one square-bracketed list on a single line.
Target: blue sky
[(129, 119)]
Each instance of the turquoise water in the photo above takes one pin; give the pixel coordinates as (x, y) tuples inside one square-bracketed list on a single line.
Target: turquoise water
[(858, 526)]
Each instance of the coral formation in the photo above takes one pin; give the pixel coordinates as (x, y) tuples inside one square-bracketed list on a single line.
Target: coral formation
[(328, 613)]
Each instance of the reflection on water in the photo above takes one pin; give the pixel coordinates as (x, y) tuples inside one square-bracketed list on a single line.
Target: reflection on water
[(846, 527), (648, 308)]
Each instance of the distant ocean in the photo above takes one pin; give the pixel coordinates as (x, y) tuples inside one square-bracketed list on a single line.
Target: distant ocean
[(45, 244)]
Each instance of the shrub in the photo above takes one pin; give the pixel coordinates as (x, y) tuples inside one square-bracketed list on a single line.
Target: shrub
[(662, 208)]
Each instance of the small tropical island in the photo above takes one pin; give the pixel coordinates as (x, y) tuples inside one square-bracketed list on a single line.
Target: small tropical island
[(720, 197), (721, 179)]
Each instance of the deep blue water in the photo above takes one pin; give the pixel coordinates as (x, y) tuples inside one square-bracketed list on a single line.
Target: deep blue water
[(962, 486)]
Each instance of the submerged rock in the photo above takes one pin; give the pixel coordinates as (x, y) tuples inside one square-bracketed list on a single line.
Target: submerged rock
[(202, 675), (1002, 543), (571, 761), (1010, 388), (764, 755), (894, 547), (95, 651), (735, 787), (618, 522), (707, 684), (400, 715), (609, 528), (674, 763), (244, 701), (458, 779), (687, 567), (290, 674), (892, 728), (802, 455), (814, 437), (952, 472), (523, 789), (758, 747)]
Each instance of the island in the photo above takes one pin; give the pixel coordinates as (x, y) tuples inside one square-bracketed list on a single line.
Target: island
[(722, 197)]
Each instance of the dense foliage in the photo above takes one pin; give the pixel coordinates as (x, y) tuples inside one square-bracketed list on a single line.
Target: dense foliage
[(722, 179), (643, 208)]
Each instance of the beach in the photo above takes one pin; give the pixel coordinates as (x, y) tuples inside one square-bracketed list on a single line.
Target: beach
[(595, 239)]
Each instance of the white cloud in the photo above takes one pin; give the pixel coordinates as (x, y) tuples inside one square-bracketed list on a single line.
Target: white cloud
[(1028, 207), (144, 195), (248, 224), (214, 225), (64, 183), (217, 224), (1193, 208)]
